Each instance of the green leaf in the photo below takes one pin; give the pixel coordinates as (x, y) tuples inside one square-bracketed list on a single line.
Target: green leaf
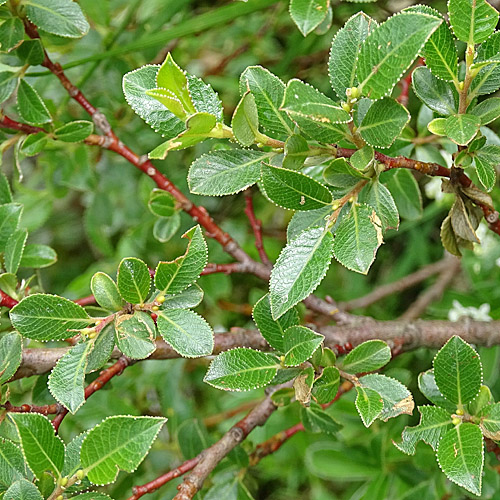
[(383, 122), (103, 347), (10, 356), (175, 276), (12, 464), (380, 198), (268, 91), (339, 173), (295, 153), (38, 256), (369, 404), (396, 397), (461, 129), (34, 144), (75, 131), (326, 386), (308, 14), (133, 280), (488, 78), (434, 423), (490, 421), (437, 126), (346, 46), (436, 94), (440, 52), (486, 160), (448, 237), (483, 399), (487, 110), (300, 268), (293, 190), (8, 284), (166, 227), (5, 192), (367, 357), (11, 33), (198, 129), (135, 85), (187, 332), (8, 83), (363, 157), (307, 220), (161, 203), (299, 344), (68, 376), (14, 249), (118, 443), (106, 292), (225, 172), (31, 107), (428, 387), (241, 369), (406, 193), (48, 317), (59, 17), (22, 490), (315, 419), (390, 49), (10, 215), (273, 330), (461, 456), (135, 334), (473, 21), (42, 448), (357, 238), (458, 371), (188, 298), (245, 121), (30, 52)]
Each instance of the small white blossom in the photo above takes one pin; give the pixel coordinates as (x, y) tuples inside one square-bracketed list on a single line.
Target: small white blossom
[(459, 311)]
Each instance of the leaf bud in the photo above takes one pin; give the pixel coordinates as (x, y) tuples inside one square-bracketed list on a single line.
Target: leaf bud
[(80, 474), (160, 299), (456, 420), (155, 308)]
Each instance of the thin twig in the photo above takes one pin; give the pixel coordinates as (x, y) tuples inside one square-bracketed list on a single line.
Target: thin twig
[(7, 300), (256, 227)]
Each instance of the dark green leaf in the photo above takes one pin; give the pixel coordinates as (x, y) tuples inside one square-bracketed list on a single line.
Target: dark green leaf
[(326, 386), (308, 14), (406, 193), (487, 110), (75, 131), (106, 292), (38, 256), (437, 94), (315, 419), (10, 215), (369, 404), (31, 107), (10, 358), (379, 197), (296, 152), (8, 83), (473, 21), (245, 122), (135, 334), (14, 249), (299, 344), (11, 33), (23, 490), (366, 357), (12, 464), (133, 280)]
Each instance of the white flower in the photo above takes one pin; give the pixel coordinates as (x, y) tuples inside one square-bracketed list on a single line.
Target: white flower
[(458, 311)]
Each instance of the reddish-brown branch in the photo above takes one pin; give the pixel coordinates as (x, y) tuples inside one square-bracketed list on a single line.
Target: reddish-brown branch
[(85, 301), (7, 300), (256, 227), (6, 122), (44, 410), (213, 420), (405, 84), (233, 267)]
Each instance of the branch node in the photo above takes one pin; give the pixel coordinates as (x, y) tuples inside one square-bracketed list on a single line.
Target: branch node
[(492, 217)]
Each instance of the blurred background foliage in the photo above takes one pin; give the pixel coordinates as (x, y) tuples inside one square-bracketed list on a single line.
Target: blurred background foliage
[(91, 207)]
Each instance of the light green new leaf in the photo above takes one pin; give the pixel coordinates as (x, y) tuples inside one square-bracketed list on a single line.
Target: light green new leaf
[(11, 33), (458, 371), (68, 376), (315, 419), (14, 249), (436, 94), (10, 355), (161, 203), (133, 280), (48, 317), (10, 215), (396, 397), (428, 387), (490, 421), (38, 256), (225, 172), (59, 17), (344, 52), (299, 344), (473, 21), (166, 227), (380, 198), (75, 131), (273, 330), (106, 292), (308, 14), (293, 190), (326, 386), (390, 49), (461, 129), (42, 448), (406, 193), (241, 369), (487, 110), (12, 464), (440, 52), (135, 334), (30, 105), (118, 443), (268, 91), (22, 490), (357, 238), (483, 399), (461, 456), (434, 423), (369, 404), (175, 276), (245, 121), (383, 122), (366, 357), (300, 267), (187, 332), (486, 161)]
